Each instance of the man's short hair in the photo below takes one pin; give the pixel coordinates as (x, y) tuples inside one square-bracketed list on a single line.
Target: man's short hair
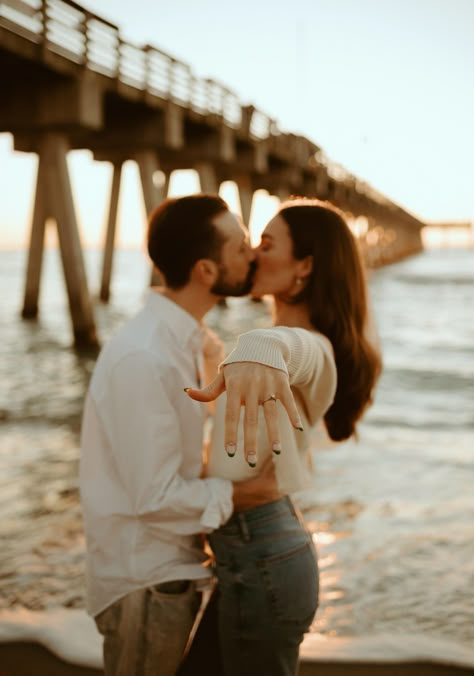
[(180, 232)]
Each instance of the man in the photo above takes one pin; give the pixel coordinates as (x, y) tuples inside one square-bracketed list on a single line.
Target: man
[(144, 502)]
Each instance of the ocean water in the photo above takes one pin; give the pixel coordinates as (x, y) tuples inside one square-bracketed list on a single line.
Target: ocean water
[(392, 514)]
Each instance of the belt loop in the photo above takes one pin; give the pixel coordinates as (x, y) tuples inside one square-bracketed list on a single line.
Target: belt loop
[(244, 531), (295, 510), (292, 507)]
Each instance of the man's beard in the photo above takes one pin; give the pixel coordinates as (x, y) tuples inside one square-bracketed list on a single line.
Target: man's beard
[(223, 287)]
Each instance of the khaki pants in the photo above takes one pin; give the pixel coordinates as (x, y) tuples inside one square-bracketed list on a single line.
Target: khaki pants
[(146, 632)]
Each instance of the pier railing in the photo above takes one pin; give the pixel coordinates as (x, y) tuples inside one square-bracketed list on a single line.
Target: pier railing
[(66, 29)]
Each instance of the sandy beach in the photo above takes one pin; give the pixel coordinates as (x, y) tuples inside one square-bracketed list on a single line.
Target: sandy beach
[(65, 642), (29, 659), (32, 659)]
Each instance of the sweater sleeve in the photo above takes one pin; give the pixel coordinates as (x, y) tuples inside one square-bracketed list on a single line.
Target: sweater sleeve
[(306, 356), (297, 352)]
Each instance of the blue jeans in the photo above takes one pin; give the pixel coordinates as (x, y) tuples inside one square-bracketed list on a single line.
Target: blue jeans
[(267, 571)]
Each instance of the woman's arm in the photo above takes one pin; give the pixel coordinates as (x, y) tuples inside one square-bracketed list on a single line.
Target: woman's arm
[(259, 370)]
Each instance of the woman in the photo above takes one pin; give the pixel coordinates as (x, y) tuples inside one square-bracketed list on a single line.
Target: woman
[(266, 564)]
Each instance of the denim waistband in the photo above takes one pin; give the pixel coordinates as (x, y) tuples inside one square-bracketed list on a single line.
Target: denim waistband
[(249, 519)]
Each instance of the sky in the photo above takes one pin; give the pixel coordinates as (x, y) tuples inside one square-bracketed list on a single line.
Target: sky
[(385, 87)]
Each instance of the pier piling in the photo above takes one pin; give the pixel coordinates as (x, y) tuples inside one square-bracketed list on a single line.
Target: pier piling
[(109, 244)]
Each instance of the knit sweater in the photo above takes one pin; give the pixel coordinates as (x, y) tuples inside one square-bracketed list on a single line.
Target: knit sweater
[(308, 359)]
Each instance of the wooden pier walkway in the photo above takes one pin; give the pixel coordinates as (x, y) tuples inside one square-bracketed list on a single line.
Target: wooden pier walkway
[(69, 80)]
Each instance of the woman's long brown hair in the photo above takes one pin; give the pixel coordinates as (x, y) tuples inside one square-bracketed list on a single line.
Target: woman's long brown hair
[(336, 295)]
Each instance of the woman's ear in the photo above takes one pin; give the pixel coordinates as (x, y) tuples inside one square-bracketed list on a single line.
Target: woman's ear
[(305, 267), (205, 271)]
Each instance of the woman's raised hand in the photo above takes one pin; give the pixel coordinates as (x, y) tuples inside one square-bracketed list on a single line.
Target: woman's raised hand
[(251, 385)]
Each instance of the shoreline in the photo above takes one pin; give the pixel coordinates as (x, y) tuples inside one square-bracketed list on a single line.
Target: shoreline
[(65, 642), (27, 658)]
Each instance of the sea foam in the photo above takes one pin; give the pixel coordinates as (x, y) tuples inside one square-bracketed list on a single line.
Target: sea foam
[(72, 636)]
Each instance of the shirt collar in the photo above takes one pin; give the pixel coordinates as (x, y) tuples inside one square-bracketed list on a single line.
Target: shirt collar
[(185, 329)]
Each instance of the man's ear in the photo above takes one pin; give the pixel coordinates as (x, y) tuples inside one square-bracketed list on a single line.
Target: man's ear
[(205, 271)]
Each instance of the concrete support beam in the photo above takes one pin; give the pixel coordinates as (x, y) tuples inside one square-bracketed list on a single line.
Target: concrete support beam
[(153, 194), (216, 146), (63, 102), (309, 185), (62, 206), (339, 195), (35, 252), (261, 157), (164, 185), (148, 164), (174, 126), (246, 192), (283, 193), (110, 234), (54, 198), (322, 184), (207, 177), (227, 144)]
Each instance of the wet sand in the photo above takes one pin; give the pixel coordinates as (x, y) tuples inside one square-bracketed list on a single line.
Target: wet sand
[(29, 659), (381, 669)]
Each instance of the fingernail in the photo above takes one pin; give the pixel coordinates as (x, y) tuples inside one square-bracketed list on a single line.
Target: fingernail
[(230, 450), (252, 459), (276, 448), (186, 389), (300, 428)]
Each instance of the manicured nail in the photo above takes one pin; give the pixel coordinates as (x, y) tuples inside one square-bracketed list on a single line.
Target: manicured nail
[(252, 459), (230, 450), (276, 448)]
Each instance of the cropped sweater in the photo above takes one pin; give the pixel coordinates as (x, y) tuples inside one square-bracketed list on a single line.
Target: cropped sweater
[(308, 359)]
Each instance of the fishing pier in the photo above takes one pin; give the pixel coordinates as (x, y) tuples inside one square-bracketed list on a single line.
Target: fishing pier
[(70, 81)]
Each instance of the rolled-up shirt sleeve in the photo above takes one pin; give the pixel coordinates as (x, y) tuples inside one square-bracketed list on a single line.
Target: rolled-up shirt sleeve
[(148, 453)]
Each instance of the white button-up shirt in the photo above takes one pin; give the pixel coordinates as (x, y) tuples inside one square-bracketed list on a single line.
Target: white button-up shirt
[(141, 456)]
